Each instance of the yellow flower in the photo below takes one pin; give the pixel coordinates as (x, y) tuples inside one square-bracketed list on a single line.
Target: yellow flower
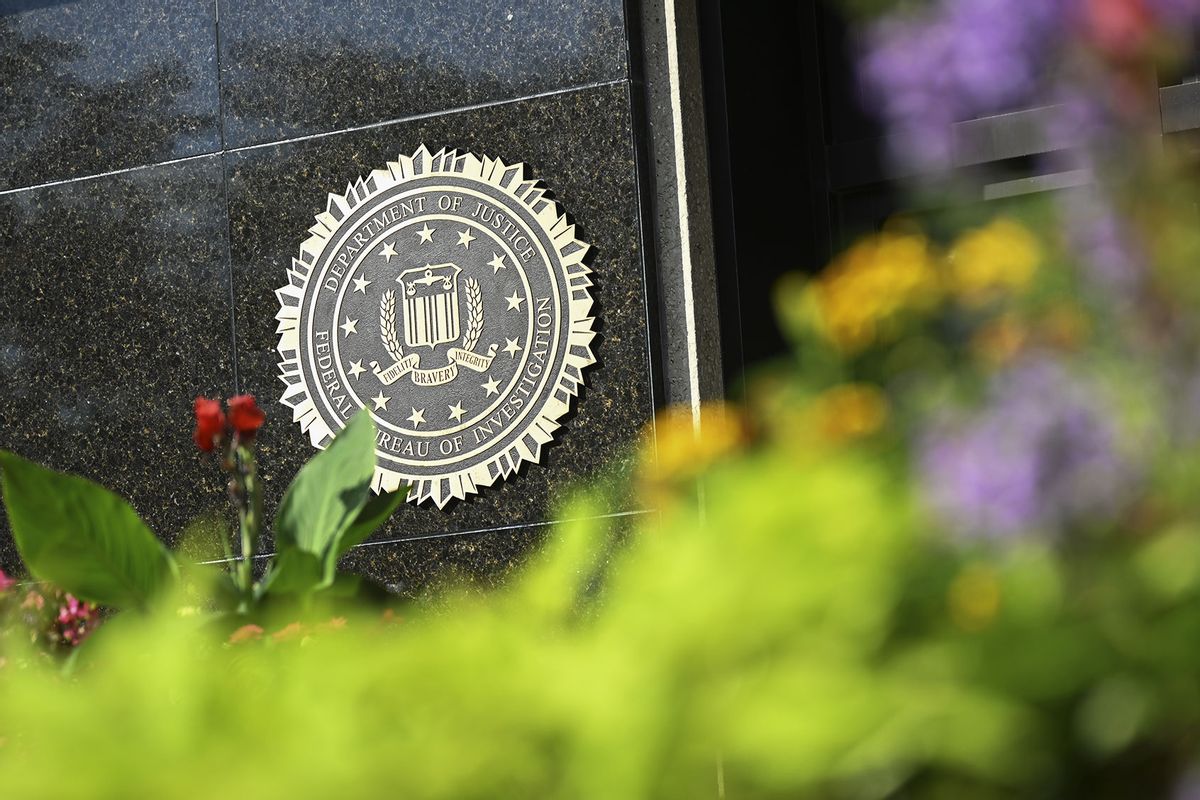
[(675, 448), (999, 257), (871, 283), (849, 411), (676, 452)]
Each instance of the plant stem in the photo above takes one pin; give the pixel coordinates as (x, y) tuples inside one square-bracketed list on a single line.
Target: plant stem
[(249, 518)]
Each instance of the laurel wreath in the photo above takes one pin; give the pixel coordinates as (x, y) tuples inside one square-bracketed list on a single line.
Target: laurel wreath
[(387, 325), (474, 315), (387, 320)]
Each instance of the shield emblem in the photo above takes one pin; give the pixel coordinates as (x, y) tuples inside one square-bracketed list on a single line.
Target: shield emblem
[(430, 304)]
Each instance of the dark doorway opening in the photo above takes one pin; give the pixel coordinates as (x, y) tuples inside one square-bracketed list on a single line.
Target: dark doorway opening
[(794, 162)]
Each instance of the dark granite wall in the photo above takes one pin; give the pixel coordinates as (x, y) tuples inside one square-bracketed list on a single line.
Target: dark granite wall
[(160, 170)]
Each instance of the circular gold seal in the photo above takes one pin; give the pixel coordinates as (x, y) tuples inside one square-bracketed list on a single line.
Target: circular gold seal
[(448, 295)]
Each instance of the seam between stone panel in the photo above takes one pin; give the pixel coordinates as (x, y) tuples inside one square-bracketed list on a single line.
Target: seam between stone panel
[(430, 115), (323, 135), (220, 93), (476, 531), (97, 175), (233, 334), (545, 523), (541, 524), (627, 13), (647, 252), (233, 337)]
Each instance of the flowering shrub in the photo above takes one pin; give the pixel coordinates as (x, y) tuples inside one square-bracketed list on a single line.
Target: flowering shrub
[(871, 284), (954, 60), (77, 535), (868, 293), (1042, 454), (50, 620), (951, 549)]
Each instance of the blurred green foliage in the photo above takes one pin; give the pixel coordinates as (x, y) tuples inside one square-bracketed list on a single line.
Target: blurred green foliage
[(758, 640), (950, 549), (806, 637)]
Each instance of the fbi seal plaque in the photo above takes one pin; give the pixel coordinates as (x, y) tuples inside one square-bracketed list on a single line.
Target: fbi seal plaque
[(448, 295)]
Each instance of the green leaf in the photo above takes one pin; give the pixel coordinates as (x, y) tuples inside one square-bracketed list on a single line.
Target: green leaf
[(361, 591), (373, 514), (225, 592), (293, 571), (81, 537), (325, 498)]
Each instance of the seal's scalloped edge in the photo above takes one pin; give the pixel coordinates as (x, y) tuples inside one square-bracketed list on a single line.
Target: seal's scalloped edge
[(539, 430)]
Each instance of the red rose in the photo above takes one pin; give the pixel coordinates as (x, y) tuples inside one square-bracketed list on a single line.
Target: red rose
[(210, 423), (244, 415)]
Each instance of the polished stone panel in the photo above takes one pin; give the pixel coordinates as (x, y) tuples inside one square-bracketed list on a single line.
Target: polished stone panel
[(297, 67), (422, 567), (89, 87), (114, 315), (470, 561), (579, 144)]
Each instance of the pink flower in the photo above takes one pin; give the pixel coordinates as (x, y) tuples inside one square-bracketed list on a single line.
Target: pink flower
[(73, 618), (6, 582)]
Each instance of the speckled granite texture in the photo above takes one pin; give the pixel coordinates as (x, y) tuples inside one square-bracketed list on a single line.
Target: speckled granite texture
[(579, 144), (88, 87), (117, 292), (467, 562), (296, 67), (114, 314)]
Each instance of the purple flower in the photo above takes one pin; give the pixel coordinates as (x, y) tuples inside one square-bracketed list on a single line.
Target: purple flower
[(959, 60), (1042, 454), (1103, 241), (962, 59), (1188, 787)]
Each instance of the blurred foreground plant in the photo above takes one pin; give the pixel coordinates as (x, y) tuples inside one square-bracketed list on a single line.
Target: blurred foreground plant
[(49, 620), (805, 636), (950, 550), (79, 536)]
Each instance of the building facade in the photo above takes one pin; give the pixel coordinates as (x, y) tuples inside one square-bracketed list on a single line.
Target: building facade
[(164, 160)]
